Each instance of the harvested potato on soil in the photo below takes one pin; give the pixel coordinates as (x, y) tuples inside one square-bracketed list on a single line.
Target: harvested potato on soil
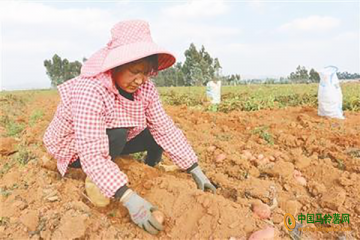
[(298, 177), (261, 210), (220, 158), (265, 234), (211, 148)]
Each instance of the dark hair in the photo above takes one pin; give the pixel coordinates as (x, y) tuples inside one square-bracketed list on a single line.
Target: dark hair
[(152, 66)]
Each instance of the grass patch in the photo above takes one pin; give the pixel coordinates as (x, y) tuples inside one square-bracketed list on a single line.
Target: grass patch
[(4, 221), (23, 155), (11, 106), (264, 134), (5, 192), (140, 156), (7, 166), (341, 164), (35, 116)]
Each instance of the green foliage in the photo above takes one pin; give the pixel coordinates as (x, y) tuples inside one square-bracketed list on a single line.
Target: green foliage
[(314, 76), (172, 97), (112, 214), (347, 75), (23, 156), (233, 79), (300, 76), (35, 116), (13, 106), (140, 156), (172, 76), (4, 220), (7, 166), (60, 70), (352, 104), (7, 191), (4, 192), (355, 153), (257, 97), (213, 108), (12, 127), (199, 67), (264, 134), (341, 164)]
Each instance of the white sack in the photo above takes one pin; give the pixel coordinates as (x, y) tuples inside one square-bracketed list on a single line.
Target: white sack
[(329, 94)]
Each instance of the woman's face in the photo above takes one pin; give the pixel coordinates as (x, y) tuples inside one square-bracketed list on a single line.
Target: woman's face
[(131, 76)]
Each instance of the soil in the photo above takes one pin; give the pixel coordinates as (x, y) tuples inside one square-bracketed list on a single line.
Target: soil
[(260, 150)]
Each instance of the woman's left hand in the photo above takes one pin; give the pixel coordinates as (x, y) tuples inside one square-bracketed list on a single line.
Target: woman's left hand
[(201, 180)]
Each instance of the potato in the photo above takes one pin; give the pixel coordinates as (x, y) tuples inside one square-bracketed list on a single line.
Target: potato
[(298, 177), (262, 161), (297, 173), (261, 210), (247, 154), (159, 216), (265, 234), (221, 157), (211, 149), (301, 180)]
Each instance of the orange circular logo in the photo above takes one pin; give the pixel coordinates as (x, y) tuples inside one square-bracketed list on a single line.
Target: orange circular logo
[(289, 221)]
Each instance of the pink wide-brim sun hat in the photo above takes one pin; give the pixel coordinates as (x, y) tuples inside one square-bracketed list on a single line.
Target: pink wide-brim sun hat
[(130, 41)]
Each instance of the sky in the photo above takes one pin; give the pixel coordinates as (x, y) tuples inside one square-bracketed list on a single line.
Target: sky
[(255, 39)]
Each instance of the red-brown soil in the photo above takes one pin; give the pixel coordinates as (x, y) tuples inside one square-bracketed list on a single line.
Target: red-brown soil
[(37, 203)]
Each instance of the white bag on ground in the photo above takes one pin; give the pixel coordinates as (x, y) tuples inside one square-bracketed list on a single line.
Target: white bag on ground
[(329, 94), (213, 91)]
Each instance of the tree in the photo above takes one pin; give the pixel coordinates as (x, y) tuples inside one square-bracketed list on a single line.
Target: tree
[(301, 75), (192, 57), (60, 70), (347, 75), (172, 76), (314, 76), (180, 78), (217, 67), (199, 67), (197, 75), (233, 79)]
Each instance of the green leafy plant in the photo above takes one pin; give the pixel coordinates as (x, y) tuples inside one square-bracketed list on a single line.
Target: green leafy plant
[(264, 134), (23, 156), (35, 116), (140, 156)]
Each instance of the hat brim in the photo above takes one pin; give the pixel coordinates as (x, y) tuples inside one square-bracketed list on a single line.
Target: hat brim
[(132, 52)]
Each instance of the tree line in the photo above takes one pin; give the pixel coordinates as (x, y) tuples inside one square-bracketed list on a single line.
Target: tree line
[(198, 68)]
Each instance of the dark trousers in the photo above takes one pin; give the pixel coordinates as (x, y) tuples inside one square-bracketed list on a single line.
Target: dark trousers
[(142, 142)]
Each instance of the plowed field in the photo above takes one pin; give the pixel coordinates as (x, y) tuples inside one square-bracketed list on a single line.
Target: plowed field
[(290, 159)]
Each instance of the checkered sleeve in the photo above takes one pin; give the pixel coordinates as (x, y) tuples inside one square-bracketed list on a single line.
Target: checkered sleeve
[(167, 135), (92, 142)]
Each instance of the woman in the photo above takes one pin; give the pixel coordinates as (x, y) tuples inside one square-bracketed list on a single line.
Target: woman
[(113, 108)]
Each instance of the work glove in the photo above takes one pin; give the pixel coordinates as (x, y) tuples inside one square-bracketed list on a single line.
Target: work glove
[(201, 180), (140, 212)]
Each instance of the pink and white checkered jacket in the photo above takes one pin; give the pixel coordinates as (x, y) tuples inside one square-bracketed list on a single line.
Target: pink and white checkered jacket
[(90, 105)]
